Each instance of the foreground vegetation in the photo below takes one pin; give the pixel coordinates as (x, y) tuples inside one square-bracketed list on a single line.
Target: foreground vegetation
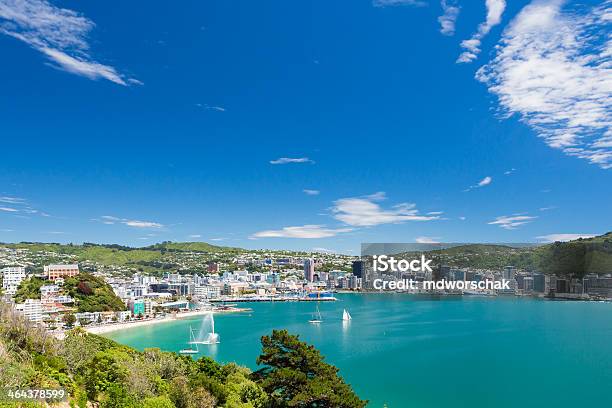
[(97, 372)]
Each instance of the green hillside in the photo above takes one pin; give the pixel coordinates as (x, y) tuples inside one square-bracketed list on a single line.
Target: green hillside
[(91, 294)]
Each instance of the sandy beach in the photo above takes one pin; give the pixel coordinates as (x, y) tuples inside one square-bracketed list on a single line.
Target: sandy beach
[(106, 328)]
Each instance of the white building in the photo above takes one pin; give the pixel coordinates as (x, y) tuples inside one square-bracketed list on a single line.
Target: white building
[(207, 291), (11, 278), (31, 309)]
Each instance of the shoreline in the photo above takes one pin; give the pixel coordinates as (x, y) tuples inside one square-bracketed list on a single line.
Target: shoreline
[(111, 327)]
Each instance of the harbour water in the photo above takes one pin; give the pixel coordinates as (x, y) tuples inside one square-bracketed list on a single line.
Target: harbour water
[(415, 351)]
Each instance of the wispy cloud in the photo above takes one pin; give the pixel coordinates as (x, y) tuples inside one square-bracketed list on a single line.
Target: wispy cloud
[(213, 107), (553, 69), (448, 19), (563, 237), (304, 231), (195, 236), (484, 182), (8, 209), (60, 34), (142, 224), (311, 192), (513, 221), (366, 212), (509, 172), (110, 220), (495, 9), (427, 240), (287, 160), (12, 200), (552, 207), (386, 3)]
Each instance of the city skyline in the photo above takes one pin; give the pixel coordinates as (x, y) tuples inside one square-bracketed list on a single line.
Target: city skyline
[(295, 126)]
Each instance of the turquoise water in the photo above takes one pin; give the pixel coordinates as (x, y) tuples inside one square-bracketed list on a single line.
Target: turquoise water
[(408, 351)]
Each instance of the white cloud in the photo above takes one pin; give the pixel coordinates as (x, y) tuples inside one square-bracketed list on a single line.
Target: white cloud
[(385, 3), (8, 209), (427, 240), (435, 213), (447, 20), (142, 224), (287, 160), (365, 212), (311, 192), (553, 69), (495, 9), (304, 231), (60, 34), (462, 218), (110, 220), (12, 200), (209, 107), (484, 182), (552, 207), (509, 172), (195, 236), (513, 221), (563, 237), (218, 239)]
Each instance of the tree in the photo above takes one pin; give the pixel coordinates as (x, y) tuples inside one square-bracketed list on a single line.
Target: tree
[(295, 375), (69, 319)]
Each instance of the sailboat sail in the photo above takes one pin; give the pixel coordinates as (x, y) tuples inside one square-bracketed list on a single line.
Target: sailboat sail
[(316, 318), (346, 315)]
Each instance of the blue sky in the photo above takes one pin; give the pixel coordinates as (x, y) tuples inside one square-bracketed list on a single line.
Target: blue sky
[(304, 125)]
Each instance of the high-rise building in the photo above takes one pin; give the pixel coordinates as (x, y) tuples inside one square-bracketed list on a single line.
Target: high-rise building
[(539, 282), (11, 278), (528, 284), (61, 271), (309, 269), (509, 272), (359, 268)]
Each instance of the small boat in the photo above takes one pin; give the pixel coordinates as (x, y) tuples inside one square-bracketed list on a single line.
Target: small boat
[(346, 315), (191, 341), (316, 318)]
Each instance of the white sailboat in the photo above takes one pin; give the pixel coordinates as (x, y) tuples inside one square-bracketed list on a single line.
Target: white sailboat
[(346, 316), (191, 341), (316, 318)]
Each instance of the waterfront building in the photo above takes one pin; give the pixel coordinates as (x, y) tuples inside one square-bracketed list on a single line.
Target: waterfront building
[(562, 286), (207, 291), (528, 284), (359, 268), (309, 269), (539, 282), (509, 272), (54, 272), (11, 279)]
